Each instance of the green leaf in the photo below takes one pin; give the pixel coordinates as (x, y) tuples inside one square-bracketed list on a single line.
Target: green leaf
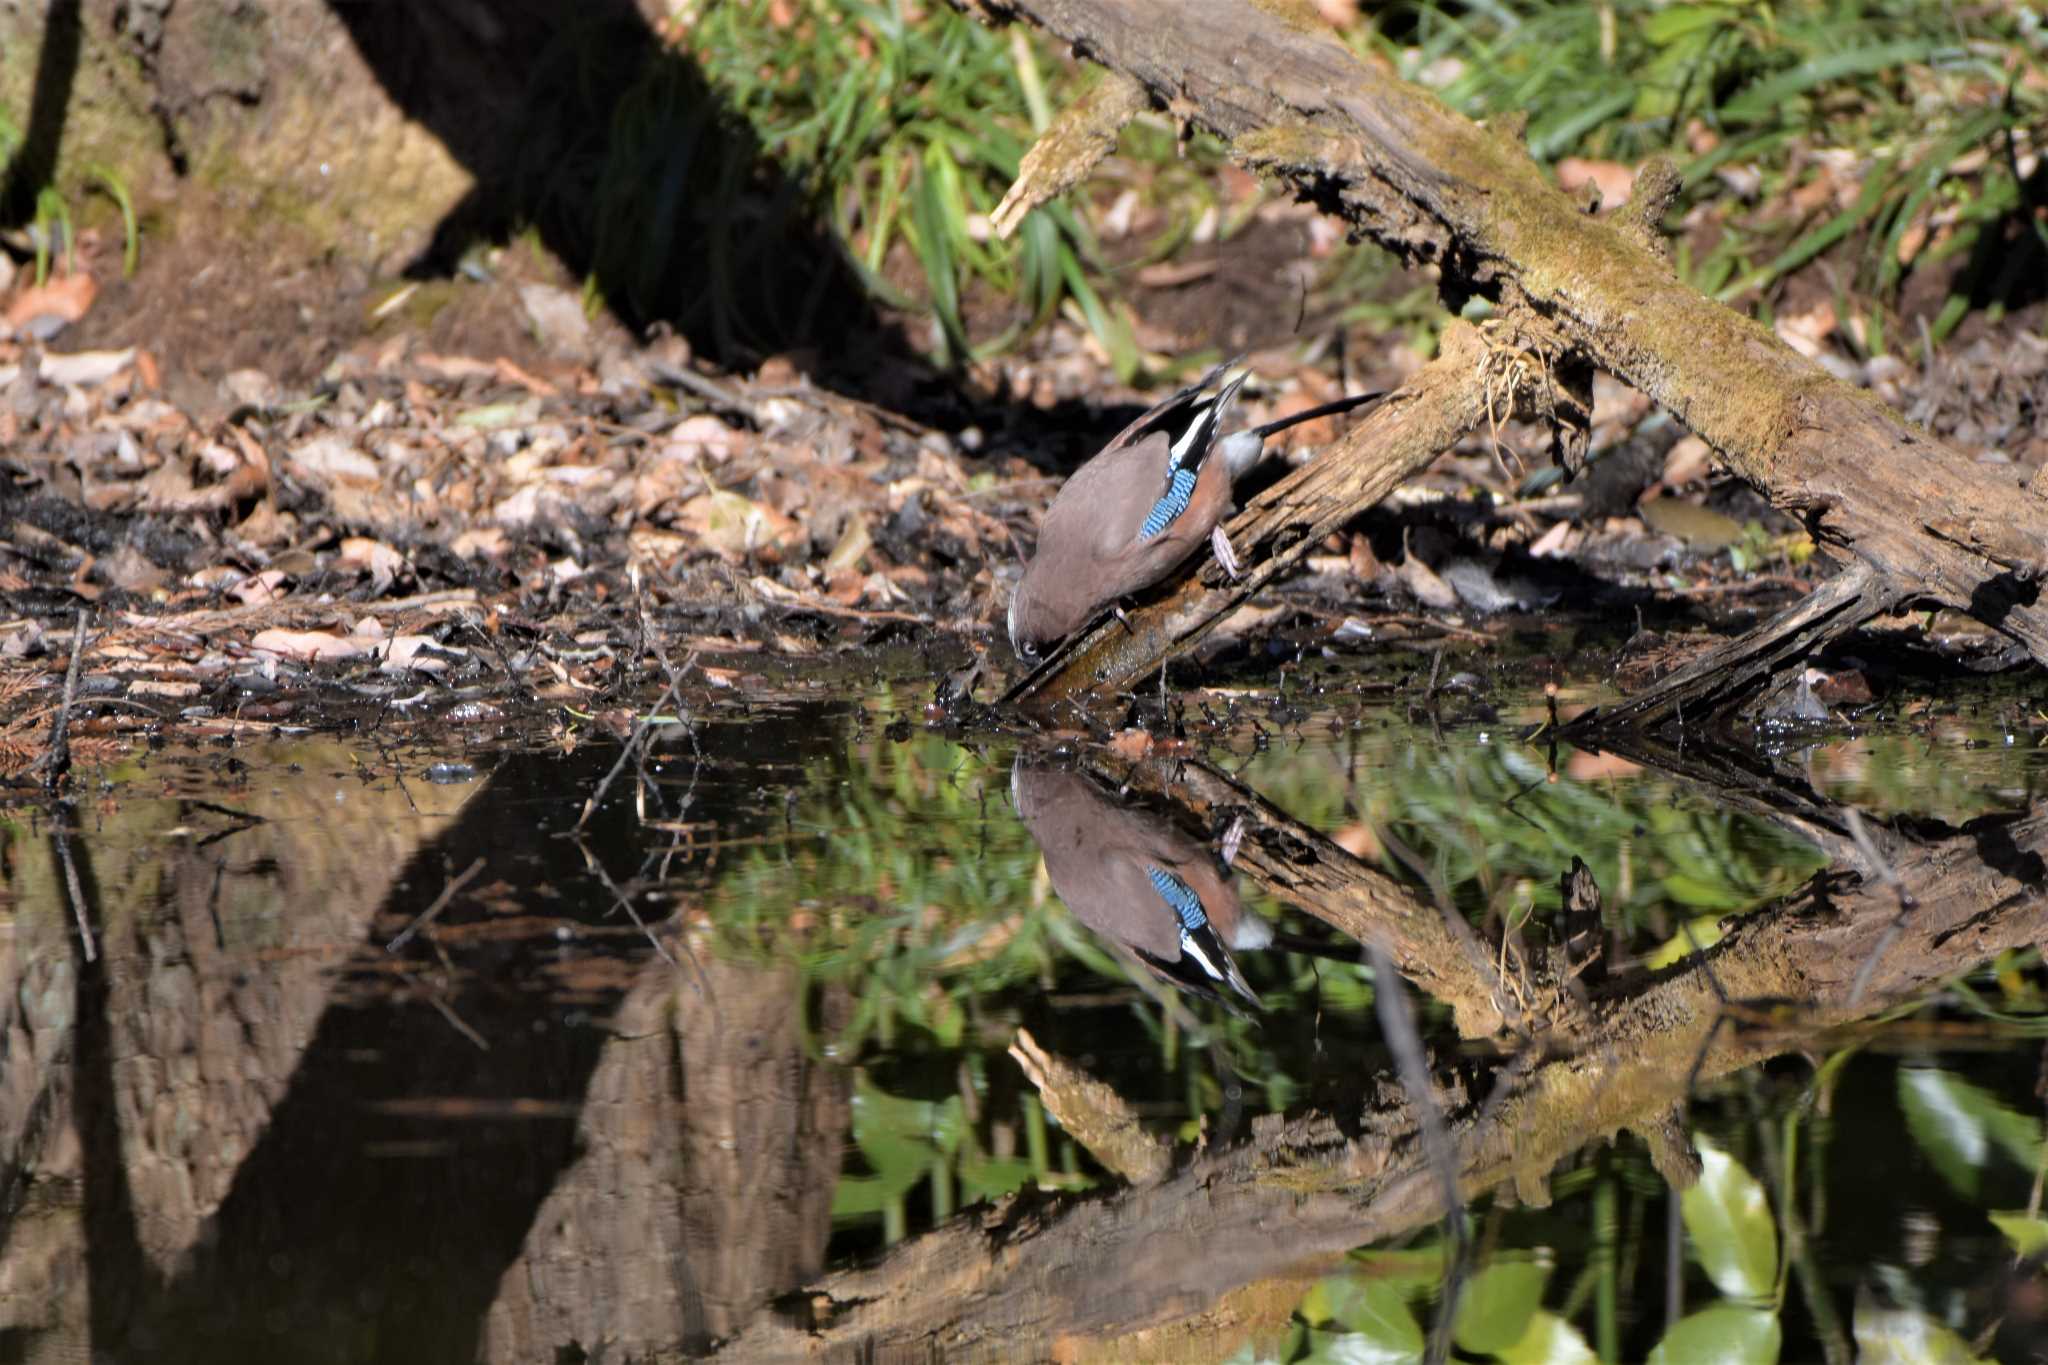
[(1550, 1340), (1730, 1224), (1706, 932), (1371, 1308), (1360, 1348), (2028, 1233), (1725, 1334), (1499, 1303), (1668, 26), (1765, 99), (1959, 1126), (1905, 1336)]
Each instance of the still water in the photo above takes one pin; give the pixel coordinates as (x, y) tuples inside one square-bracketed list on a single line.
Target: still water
[(836, 1033)]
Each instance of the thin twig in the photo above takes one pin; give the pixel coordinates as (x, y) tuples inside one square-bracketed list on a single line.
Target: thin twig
[(426, 916), (56, 759), (641, 727), (1397, 1024), (1881, 869), (455, 1021), (61, 835)]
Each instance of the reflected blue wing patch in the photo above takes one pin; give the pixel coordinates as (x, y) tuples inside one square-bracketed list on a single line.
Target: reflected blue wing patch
[(1180, 898), (1167, 509)]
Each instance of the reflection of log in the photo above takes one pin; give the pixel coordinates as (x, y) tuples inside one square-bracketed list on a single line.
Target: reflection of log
[(1300, 1194), (1398, 440), (1431, 947), (1925, 519), (710, 1149), (210, 993)]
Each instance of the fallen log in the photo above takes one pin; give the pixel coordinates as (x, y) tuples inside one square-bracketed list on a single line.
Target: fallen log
[(1924, 521)]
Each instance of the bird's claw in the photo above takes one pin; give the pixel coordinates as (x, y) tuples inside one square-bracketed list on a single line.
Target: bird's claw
[(1233, 840), (1225, 555)]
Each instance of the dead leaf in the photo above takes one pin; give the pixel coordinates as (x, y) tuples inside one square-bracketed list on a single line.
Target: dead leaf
[(310, 644), (330, 460), (1688, 461), (361, 554), (173, 691), (1131, 744), (46, 309), (1808, 332), (735, 527), (1359, 840), (259, 589), (1614, 180), (84, 369), (1586, 766), (1429, 589)]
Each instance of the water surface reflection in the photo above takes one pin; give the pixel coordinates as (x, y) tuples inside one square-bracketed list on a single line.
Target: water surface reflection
[(812, 1041)]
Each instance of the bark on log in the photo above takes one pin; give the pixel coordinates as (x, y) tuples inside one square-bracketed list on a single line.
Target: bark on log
[(1929, 522)]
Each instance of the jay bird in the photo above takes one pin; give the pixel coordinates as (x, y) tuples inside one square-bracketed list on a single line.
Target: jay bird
[(1137, 510), (1137, 881)]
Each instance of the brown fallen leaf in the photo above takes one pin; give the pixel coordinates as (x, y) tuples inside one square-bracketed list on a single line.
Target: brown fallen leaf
[(361, 554), (46, 309), (1131, 744), (1614, 180), (310, 644), (735, 527), (259, 589)]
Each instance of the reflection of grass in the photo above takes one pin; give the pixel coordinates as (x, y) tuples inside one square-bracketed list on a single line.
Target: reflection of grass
[(1654, 851), (913, 887), (1955, 775)]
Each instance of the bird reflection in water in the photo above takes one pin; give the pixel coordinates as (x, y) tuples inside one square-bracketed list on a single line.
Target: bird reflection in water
[(1152, 891)]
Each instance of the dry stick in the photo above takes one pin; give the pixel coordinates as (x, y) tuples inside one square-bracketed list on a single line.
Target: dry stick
[(641, 727), (1431, 185), (1725, 673), (1881, 869), (1400, 439), (1397, 1024), (61, 833), (456, 1022), (625, 903), (427, 915), (56, 759), (1435, 949)]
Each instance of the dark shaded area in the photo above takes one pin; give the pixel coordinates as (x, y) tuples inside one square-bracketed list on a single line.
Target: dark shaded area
[(399, 1176), (56, 69), (578, 122)]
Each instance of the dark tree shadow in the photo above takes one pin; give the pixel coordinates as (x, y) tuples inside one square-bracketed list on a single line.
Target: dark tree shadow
[(579, 123), (35, 162)]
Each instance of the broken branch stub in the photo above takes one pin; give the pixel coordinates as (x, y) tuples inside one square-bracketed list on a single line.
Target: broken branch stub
[(1072, 146), (1929, 521)]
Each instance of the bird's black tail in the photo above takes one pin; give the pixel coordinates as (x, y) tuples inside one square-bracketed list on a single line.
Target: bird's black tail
[(1330, 409)]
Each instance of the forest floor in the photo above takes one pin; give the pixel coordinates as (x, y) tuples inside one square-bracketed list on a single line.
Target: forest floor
[(302, 489)]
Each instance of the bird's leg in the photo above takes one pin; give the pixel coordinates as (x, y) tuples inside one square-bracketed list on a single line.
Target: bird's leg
[(1219, 541)]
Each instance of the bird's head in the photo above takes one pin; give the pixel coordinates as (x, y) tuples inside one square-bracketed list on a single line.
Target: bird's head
[(1021, 640)]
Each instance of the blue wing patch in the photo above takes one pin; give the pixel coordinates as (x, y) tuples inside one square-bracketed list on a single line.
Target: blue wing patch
[(1180, 898), (1163, 514)]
